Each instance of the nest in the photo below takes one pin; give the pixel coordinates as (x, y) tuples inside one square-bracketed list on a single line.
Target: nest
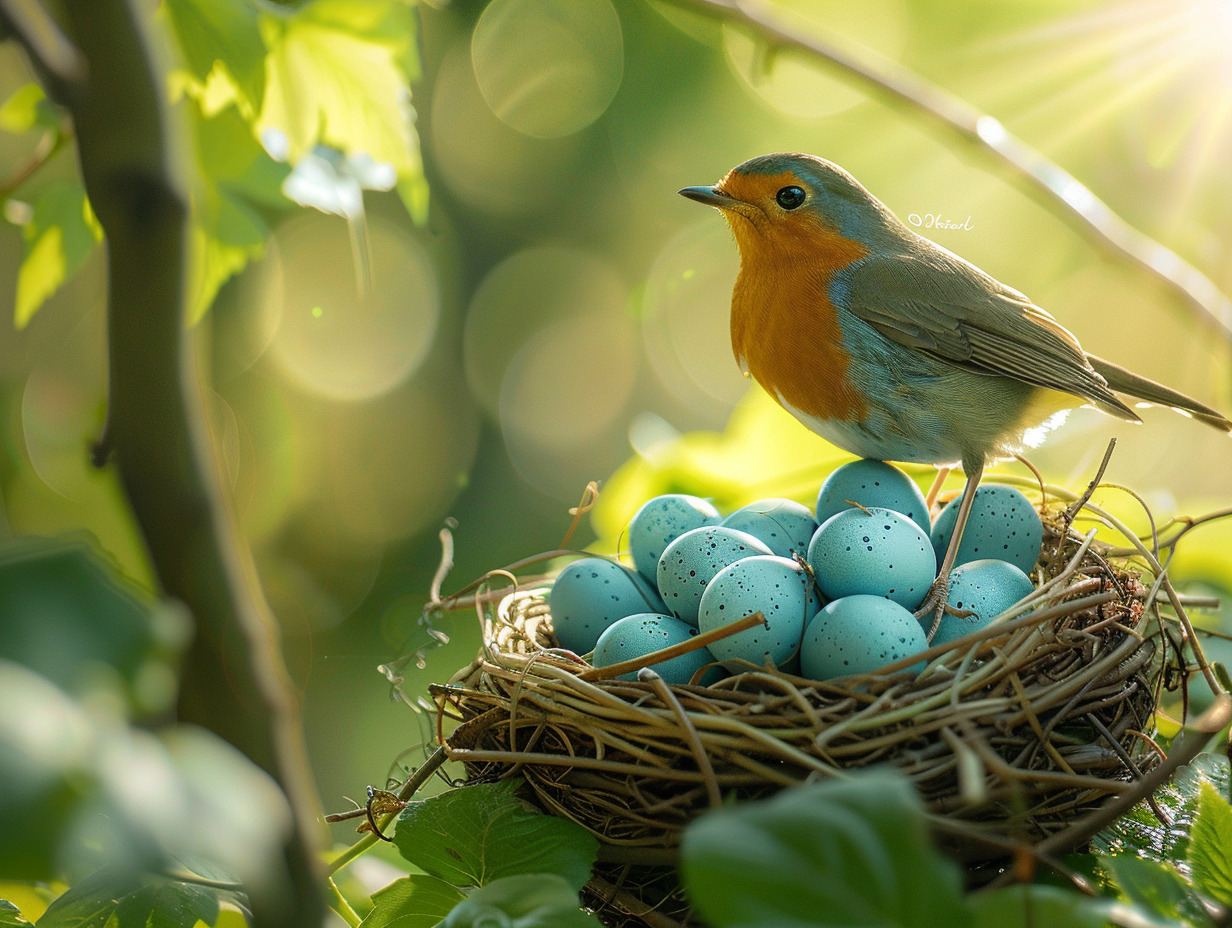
[(1009, 735)]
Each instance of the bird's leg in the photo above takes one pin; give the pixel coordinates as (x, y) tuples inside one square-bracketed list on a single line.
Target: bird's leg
[(935, 601)]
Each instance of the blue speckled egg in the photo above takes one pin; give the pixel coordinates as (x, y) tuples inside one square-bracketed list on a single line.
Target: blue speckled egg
[(691, 561), (638, 635), (858, 634), (591, 594), (872, 483), (986, 587), (785, 526), (878, 553), (662, 520), (1003, 525), (778, 588)]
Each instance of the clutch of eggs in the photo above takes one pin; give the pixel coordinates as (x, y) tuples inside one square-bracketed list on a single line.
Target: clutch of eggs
[(836, 585)]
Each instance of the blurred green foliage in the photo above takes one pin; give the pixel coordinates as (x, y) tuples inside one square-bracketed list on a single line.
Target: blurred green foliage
[(559, 314)]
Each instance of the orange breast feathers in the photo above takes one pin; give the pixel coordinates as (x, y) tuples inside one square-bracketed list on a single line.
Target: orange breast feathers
[(784, 328)]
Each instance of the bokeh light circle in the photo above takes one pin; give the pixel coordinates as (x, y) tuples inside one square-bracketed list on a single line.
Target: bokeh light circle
[(548, 68), (526, 292), (334, 340), (797, 86), (563, 401), (686, 308), (490, 166)]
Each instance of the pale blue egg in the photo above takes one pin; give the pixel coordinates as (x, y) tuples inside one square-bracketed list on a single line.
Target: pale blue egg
[(662, 520), (986, 587), (692, 560), (784, 525), (858, 634), (878, 553), (1003, 525), (870, 483), (638, 635), (591, 594), (777, 587)]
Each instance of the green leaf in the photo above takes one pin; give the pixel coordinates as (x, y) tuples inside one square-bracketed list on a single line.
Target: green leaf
[(1210, 846), (1031, 906), (223, 33), (476, 834), (59, 237), (133, 901), (47, 745), (229, 229), (842, 853), (339, 74), (1155, 886), (416, 901), (66, 612), (533, 900), (10, 916), (27, 108), (1140, 832)]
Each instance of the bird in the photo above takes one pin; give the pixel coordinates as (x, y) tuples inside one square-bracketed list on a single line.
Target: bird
[(891, 346)]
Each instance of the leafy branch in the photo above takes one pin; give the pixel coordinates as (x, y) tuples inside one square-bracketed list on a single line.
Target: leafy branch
[(131, 156), (1063, 193)]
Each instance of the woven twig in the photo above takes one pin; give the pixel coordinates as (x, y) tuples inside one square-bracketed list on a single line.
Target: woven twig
[(1010, 735)]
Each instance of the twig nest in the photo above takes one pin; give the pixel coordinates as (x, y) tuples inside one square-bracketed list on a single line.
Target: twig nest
[(1032, 705)]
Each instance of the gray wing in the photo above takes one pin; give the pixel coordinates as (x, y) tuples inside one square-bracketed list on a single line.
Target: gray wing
[(949, 308)]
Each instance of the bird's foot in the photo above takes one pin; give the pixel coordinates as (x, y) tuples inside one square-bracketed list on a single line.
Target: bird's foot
[(936, 605)]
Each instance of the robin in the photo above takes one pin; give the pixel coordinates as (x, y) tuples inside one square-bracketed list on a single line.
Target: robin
[(889, 345)]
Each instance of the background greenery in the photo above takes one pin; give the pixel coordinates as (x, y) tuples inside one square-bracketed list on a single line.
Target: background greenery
[(522, 304)]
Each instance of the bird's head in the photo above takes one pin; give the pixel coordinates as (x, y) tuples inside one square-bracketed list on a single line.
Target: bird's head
[(790, 200)]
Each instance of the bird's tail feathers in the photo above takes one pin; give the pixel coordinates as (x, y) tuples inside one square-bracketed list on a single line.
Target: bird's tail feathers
[(1124, 381)]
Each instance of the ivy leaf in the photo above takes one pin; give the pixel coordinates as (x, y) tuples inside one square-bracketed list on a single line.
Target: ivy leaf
[(1028, 906), (1155, 886), (416, 901), (845, 853), (133, 901), (229, 229), (1210, 846), (59, 237), (339, 74), (1140, 833), (476, 834), (533, 900), (27, 108), (10, 916), (226, 34)]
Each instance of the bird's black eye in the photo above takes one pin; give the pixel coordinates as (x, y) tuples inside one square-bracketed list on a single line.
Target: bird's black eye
[(789, 197)]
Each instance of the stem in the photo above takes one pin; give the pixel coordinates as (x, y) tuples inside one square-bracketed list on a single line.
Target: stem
[(409, 789), (338, 903), (234, 682), (1058, 189)]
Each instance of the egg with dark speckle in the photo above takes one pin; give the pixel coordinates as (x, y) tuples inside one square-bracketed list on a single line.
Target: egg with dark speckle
[(985, 587), (785, 526), (638, 635), (691, 561), (777, 587), (591, 594), (1003, 525), (662, 520), (875, 552), (858, 634), (870, 483)]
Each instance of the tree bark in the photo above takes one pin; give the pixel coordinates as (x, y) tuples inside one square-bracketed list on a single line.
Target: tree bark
[(134, 166)]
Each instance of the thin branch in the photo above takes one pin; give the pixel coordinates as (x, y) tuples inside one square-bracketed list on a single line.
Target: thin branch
[(44, 41), (1061, 191), (234, 683)]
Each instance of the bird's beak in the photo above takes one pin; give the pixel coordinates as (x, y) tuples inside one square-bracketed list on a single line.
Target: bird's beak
[(711, 196)]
